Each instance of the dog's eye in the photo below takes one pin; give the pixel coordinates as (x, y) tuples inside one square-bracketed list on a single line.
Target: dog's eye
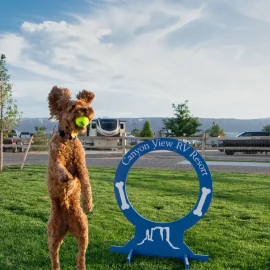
[(84, 110), (72, 107)]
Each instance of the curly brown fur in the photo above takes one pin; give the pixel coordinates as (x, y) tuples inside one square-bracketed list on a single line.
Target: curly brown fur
[(86, 96), (68, 176)]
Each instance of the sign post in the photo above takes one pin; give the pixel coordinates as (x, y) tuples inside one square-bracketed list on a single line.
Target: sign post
[(163, 239)]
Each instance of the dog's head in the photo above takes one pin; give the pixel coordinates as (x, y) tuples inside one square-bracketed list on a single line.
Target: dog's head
[(67, 110)]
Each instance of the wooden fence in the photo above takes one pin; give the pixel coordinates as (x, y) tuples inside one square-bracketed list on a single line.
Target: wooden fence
[(122, 144)]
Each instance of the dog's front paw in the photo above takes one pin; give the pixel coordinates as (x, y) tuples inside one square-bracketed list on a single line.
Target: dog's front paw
[(87, 206), (66, 177)]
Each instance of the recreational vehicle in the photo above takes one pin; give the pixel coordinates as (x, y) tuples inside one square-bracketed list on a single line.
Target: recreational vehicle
[(102, 130)]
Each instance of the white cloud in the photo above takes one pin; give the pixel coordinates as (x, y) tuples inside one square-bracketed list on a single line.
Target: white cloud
[(45, 26), (139, 57), (258, 9), (12, 45)]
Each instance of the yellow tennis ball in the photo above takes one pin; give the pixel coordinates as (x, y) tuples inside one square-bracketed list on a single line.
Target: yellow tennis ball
[(82, 121)]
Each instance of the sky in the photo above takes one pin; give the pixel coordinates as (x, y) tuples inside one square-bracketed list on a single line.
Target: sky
[(139, 57)]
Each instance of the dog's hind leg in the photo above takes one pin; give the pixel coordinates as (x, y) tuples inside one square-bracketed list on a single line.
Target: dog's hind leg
[(78, 227), (57, 230)]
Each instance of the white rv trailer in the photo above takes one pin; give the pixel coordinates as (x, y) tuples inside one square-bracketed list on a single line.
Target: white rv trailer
[(105, 128)]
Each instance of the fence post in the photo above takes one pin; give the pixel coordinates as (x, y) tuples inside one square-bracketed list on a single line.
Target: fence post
[(124, 143), (26, 152), (203, 144), (1, 149)]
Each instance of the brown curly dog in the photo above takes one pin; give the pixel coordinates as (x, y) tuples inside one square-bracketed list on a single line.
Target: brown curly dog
[(67, 174)]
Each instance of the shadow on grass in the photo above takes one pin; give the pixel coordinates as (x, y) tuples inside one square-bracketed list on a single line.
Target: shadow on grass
[(245, 181), (35, 168), (242, 198), (22, 211), (100, 257)]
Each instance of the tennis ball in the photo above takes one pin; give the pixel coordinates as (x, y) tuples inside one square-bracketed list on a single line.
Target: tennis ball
[(82, 121)]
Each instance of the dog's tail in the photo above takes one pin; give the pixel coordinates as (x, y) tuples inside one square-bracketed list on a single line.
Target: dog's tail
[(58, 99)]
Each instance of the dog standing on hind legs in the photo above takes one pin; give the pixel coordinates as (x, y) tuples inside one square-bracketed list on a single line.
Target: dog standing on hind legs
[(67, 176)]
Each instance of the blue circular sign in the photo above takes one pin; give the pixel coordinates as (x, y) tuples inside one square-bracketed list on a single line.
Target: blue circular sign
[(183, 149), (165, 239)]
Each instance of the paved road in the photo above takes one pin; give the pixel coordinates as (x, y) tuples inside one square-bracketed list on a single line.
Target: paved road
[(157, 160)]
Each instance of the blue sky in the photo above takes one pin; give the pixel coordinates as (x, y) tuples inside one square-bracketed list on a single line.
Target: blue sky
[(18, 11), (139, 57)]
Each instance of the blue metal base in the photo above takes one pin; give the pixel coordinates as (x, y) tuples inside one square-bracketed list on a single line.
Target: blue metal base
[(186, 262), (177, 254), (130, 255)]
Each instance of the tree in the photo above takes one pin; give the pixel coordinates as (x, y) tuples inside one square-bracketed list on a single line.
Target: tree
[(41, 138), (40, 131), (146, 130), (136, 132), (215, 130), (9, 114), (183, 124), (266, 128)]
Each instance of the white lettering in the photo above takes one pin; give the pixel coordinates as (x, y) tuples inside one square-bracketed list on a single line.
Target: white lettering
[(201, 166), (146, 146), (124, 162), (155, 142), (182, 146), (135, 153), (193, 154), (179, 145), (186, 147), (158, 143), (142, 148), (169, 144), (198, 162)]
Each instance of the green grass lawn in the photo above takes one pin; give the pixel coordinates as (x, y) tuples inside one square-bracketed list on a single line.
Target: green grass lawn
[(235, 232)]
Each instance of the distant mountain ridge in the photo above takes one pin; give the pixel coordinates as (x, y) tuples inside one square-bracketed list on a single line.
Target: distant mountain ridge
[(229, 125)]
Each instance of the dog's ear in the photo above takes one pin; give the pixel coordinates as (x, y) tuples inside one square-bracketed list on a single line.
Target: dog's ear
[(58, 100), (86, 96)]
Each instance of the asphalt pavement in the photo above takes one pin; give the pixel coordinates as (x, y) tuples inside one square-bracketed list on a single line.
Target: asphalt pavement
[(156, 160)]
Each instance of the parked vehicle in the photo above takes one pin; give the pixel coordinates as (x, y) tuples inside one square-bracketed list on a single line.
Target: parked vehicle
[(25, 135), (17, 141), (102, 129), (14, 142), (259, 140)]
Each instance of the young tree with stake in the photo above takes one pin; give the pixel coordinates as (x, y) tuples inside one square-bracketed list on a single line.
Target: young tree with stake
[(9, 113)]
